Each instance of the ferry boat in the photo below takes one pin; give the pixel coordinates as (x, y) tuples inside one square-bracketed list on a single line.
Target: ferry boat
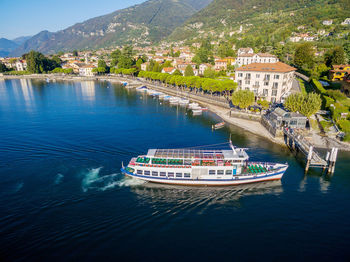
[(193, 167)]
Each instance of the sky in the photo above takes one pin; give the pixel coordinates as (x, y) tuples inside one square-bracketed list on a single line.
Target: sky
[(29, 17)]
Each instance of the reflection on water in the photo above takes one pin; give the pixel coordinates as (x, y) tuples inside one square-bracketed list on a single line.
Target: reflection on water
[(208, 195), (88, 90)]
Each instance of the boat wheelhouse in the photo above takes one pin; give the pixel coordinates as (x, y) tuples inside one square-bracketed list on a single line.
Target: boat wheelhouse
[(201, 167)]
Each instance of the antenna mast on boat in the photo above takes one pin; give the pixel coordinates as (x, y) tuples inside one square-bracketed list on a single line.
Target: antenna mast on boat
[(232, 147)]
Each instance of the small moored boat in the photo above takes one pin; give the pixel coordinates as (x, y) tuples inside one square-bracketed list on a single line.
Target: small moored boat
[(218, 125)]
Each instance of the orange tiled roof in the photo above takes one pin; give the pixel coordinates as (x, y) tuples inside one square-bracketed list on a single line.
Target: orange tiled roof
[(267, 67)]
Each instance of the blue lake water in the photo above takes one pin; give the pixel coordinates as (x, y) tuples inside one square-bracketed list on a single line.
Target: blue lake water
[(62, 197)]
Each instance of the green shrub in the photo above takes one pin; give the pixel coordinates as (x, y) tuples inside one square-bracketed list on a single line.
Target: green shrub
[(337, 109), (327, 101), (19, 73), (326, 125), (318, 86), (344, 125), (336, 95)]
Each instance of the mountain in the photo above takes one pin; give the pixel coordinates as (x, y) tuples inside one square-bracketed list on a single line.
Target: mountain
[(6, 46), (20, 40), (142, 24), (274, 19)]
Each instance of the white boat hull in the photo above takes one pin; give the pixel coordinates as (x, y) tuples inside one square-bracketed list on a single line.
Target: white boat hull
[(235, 180)]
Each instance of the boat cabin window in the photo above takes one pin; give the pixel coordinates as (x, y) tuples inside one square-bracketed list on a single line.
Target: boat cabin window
[(228, 172), (220, 172), (154, 173), (170, 174), (187, 175), (212, 172), (162, 173), (147, 173), (178, 174), (139, 172)]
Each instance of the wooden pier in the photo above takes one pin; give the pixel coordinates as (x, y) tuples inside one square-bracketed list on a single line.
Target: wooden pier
[(298, 143)]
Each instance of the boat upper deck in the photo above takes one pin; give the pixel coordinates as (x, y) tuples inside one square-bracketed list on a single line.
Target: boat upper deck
[(238, 154)]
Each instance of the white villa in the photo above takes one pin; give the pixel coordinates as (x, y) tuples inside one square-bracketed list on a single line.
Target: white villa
[(249, 58), (21, 65), (271, 81), (86, 70)]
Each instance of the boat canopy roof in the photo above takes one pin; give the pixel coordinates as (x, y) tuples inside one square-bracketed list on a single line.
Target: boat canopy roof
[(198, 154)]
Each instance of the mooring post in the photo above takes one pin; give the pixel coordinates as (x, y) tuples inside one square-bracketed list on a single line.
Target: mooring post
[(330, 160), (334, 159), (327, 158), (309, 157)]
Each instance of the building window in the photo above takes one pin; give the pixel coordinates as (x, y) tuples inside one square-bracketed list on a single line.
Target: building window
[(139, 172), (274, 92), (178, 174), (247, 82), (187, 175), (154, 173), (267, 77), (256, 83), (147, 173), (266, 83), (275, 85), (228, 172), (257, 75), (248, 75), (276, 77), (265, 92), (239, 82), (240, 74), (220, 172), (170, 174), (212, 172)]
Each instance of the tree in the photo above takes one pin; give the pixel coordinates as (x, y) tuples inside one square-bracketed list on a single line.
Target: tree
[(126, 58), (263, 103), (336, 56), (37, 63), (102, 66), (75, 53), (209, 73), (139, 62), (3, 68), (305, 104), (115, 56), (304, 55), (243, 98), (225, 50), (189, 71), (177, 73), (346, 47)]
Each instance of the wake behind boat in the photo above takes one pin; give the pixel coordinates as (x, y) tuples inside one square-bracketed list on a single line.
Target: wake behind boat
[(202, 167)]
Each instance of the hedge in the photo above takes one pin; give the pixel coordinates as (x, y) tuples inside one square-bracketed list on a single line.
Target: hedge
[(318, 86)]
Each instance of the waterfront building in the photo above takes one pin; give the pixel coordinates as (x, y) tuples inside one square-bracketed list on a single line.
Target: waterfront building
[(86, 70), (270, 81), (281, 118), (21, 65), (248, 58)]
